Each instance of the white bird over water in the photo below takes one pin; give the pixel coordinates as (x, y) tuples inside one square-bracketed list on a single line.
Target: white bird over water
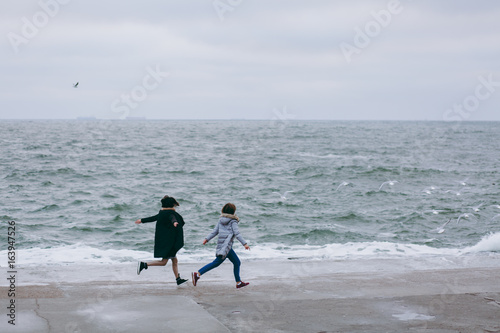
[(428, 190), (476, 208), (462, 182), (434, 211), (283, 196), (342, 184), (389, 182), (459, 192), (465, 216), (441, 229)]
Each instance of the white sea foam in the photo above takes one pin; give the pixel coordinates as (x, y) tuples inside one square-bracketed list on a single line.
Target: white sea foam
[(76, 253), (82, 254), (489, 243)]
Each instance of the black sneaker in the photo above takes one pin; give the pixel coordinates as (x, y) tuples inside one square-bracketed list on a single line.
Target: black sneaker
[(140, 266), (180, 281)]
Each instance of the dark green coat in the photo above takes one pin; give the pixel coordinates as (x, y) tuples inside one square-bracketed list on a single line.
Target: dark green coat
[(168, 239)]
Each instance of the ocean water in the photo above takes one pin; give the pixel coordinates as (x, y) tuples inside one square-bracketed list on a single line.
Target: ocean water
[(75, 188)]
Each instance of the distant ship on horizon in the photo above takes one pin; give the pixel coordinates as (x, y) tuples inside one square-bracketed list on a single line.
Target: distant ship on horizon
[(86, 118), (135, 118), (95, 118)]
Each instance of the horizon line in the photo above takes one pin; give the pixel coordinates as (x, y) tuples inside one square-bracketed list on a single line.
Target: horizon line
[(236, 119)]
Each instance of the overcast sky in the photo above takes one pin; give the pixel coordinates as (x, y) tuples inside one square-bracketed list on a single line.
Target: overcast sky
[(250, 59)]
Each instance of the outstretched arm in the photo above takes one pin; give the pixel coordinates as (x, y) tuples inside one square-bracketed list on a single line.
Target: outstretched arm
[(212, 234), (147, 219)]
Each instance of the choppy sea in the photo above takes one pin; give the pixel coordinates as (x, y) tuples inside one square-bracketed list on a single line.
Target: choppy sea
[(353, 189)]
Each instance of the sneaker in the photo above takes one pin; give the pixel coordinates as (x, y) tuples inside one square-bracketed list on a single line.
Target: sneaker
[(140, 266), (242, 284), (195, 276), (179, 280)]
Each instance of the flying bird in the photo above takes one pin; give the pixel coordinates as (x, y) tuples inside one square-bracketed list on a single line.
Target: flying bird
[(342, 184), (434, 211), (459, 192), (465, 216), (476, 208), (496, 216), (389, 182), (76, 85), (462, 182), (428, 190), (441, 229), (283, 196)]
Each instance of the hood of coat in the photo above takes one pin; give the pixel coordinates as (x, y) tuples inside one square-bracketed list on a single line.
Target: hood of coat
[(226, 218)]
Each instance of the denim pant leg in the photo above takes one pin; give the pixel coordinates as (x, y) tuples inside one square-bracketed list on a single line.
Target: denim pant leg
[(212, 265), (236, 264)]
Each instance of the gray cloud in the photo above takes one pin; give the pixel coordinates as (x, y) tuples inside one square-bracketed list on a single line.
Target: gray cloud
[(262, 55)]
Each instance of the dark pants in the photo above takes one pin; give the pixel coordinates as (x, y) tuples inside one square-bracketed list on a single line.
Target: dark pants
[(219, 260)]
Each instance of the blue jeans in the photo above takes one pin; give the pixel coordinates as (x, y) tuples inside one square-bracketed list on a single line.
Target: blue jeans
[(219, 260)]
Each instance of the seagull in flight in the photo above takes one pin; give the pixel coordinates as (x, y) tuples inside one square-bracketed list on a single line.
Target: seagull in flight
[(389, 182), (76, 85), (283, 196), (459, 192), (342, 184), (441, 229), (434, 211), (465, 216), (462, 182), (428, 190), (476, 208)]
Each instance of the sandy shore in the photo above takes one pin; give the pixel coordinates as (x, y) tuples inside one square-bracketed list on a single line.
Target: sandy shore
[(455, 294)]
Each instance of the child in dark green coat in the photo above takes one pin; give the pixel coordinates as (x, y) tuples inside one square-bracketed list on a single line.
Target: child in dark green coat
[(169, 236)]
